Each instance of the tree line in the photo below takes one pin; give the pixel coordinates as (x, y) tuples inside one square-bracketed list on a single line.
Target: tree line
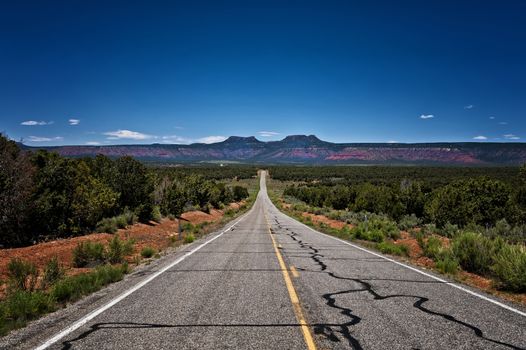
[(45, 195), (480, 201)]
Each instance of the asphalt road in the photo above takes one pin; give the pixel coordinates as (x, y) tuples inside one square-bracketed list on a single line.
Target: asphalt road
[(270, 282)]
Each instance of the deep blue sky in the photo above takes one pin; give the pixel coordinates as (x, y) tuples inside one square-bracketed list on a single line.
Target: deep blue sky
[(174, 71)]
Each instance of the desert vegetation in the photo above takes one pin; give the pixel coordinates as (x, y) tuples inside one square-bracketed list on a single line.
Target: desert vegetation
[(464, 219), (44, 195)]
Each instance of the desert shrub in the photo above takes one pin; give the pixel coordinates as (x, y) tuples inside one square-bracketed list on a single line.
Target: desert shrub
[(432, 247), (189, 238), (391, 248), (447, 264), (239, 193), (475, 253), (510, 268), (118, 249), (52, 272), (448, 230), (428, 229), (107, 225), (88, 253), (408, 222), (73, 287), (23, 275), (147, 252), (362, 231), (156, 214), (22, 306)]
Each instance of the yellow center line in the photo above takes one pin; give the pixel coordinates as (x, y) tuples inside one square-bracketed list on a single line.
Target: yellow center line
[(309, 340)]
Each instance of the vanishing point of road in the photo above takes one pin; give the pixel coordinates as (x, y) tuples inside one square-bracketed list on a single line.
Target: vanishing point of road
[(269, 282)]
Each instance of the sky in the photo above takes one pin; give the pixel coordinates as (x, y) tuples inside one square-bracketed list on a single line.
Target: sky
[(123, 72)]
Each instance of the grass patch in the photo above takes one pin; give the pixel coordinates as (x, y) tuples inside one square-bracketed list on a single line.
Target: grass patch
[(189, 238), (510, 268), (23, 275), (52, 273), (393, 249), (22, 306), (88, 253), (147, 252), (74, 287)]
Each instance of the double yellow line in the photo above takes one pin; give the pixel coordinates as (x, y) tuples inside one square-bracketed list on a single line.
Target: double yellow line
[(307, 335)]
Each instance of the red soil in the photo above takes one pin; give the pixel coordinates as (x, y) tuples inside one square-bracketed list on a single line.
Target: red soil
[(319, 219), (155, 235)]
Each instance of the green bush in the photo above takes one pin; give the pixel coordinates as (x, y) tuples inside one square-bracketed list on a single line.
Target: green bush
[(446, 263), (449, 230), (147, 252), (88, 253), (432, 247), (23, 275), (475, 253), (362, 231), (22, 306), (510, 268), (156, 214), (189, 238), (391, 248), (52, 272), (118, 249), (408, 222), (73, 287), (107, 225)]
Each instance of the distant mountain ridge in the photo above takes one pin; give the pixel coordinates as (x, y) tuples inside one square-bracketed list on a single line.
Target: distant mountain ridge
[(308, 149)]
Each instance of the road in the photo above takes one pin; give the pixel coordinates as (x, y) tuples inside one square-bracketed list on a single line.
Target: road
[(270, 282)]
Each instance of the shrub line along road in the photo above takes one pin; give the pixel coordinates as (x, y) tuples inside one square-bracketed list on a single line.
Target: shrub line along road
[(270, 282)]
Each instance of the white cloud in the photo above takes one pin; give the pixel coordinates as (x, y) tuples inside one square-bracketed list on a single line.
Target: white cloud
[(211, 139), (185, 140), (491, 118), (503, 123), (126, 134), (74, 121), (176, 139), (267, 133), (34, 122), (480, 138), (427, 116), (44, 139), (511, 137), (93, 143), (392, 141), (469, 107)]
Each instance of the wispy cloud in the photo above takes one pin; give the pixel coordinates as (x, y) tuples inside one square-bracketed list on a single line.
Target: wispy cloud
[(392, 141), (511, 137), (491, 118), (34, 122), (74, 121), (469, 107), (427, 116), (480, 137), (44, 139), (176, 139), (93, 143), (503, 123), (211, 139), (127, 134), (268, 133)]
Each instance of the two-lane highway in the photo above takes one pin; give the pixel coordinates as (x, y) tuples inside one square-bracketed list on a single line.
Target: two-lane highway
[(270, 282)]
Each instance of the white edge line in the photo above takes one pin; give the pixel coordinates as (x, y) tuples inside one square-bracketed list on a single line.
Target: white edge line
[(502, 305), (141, 284)]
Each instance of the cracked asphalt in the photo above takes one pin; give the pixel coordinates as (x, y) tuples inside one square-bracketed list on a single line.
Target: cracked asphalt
[(232, 293)]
